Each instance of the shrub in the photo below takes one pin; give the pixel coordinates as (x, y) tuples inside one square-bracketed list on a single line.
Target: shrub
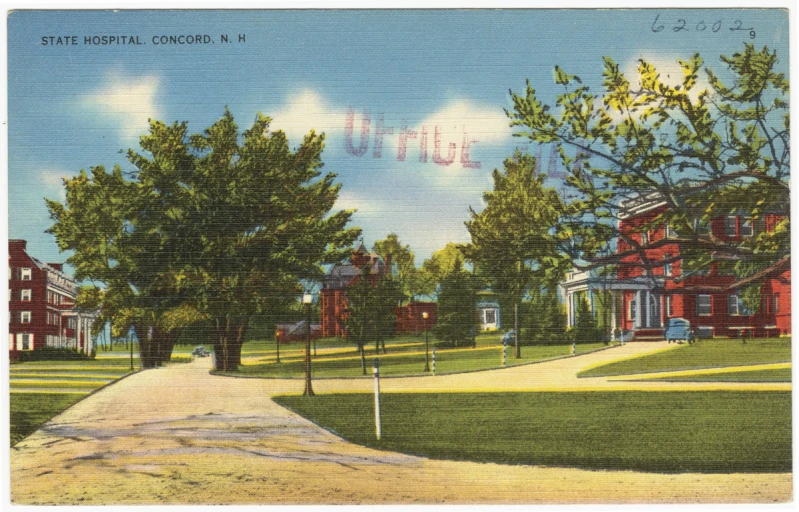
[(54, 354)]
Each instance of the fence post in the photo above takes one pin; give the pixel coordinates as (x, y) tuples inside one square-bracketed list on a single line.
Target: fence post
[(504, 346)]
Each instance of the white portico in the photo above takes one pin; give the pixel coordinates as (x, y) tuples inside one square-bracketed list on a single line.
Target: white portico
[(643, 311)]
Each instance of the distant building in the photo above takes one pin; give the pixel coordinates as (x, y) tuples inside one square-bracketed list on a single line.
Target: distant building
[(644, 303), (296, 331), (41, 300), (333, 297), (411, 320)]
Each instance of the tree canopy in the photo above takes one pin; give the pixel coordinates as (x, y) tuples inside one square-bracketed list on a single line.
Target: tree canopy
[(215, 226), (705, 151), (516, 238)]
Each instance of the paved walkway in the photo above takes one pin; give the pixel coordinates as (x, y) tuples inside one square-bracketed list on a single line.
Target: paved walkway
[(180, 435)]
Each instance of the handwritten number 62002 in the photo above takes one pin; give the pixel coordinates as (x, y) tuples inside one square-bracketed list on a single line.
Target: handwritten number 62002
[(681, 25)]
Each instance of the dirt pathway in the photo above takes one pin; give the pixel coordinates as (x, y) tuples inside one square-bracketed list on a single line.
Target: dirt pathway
[(179, 435)]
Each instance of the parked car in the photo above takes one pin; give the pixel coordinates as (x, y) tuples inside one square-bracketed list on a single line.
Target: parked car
[(200, 352), (679, 329), (509, 338)]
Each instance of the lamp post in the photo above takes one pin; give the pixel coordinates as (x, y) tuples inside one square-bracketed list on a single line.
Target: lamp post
[(307, 299), (426, 357)]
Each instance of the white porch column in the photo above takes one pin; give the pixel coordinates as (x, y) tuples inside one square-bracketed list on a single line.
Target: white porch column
[(648, 309), (662, 310), (78, 327), (88, 335), (613, 315), (638, 300), (568, 309)]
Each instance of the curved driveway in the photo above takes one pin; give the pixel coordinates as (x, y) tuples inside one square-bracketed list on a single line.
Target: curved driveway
[(179, 435)]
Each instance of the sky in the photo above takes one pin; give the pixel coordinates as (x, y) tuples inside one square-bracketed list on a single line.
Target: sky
[(72, 107)]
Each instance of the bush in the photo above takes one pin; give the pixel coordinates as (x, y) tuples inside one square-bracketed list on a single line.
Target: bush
[(54, 354)]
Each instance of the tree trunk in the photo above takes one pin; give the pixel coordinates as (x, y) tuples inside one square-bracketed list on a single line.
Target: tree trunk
[(363, 360), (516, 329), (228, 337)]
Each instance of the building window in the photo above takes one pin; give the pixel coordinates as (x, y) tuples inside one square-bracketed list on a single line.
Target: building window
[(645, 238), (25, 274), (775, 307), (704, 331), (631, 308), (491, 316), (670, 232), (25, 295), (747, 228), (26, 341), (731, 226), (735, 306), (704, 305), (669, 306), (667, 265), (24, 317)]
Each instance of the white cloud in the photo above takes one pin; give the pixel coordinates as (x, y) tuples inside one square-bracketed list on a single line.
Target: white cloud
[(305, 111), (52, 181), (670, 72), (126, 100), (464, 123)]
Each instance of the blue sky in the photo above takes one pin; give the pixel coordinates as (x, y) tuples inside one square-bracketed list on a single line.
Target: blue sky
[(73, 107)]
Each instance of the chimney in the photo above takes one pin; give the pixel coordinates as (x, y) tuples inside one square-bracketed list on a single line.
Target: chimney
[(17, 245), (57, 266)]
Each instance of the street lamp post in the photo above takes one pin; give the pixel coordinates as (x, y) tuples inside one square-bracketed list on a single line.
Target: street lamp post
[(307, 299), (426, 357)]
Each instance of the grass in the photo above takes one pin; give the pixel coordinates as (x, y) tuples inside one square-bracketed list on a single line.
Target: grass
[(714, 432), (776, 375), (406, 356), (711, 353), (31, 411), (42, 389)]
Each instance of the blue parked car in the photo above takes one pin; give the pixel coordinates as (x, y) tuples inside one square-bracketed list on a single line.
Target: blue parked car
[(509, 338), (679, 329)]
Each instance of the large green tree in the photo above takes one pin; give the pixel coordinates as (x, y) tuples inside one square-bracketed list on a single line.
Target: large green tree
[(439, 265), (516, 238), (402, 263), (705, 151), (456, 316), (217, 226)]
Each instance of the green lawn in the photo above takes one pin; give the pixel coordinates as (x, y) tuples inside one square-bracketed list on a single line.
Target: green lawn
[(778, 375), (646, 431), (405, 357), (42, 389), (710, 353), (29, 411)]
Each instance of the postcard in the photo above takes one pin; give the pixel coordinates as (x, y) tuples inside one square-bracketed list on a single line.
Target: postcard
[(399, 256)]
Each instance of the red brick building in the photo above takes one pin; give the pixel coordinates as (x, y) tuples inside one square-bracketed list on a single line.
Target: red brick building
[(333, 297), (41, 300), (411, 320), (643, 303)]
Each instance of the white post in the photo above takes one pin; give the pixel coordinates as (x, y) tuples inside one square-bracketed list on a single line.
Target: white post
[(648, 309), (377, 398), (504, 346)]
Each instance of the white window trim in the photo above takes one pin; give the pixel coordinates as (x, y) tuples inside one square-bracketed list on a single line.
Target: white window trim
[(22, 315), (22, 295), (25, 274), (669, 306), (710, 297), (734, 231)]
